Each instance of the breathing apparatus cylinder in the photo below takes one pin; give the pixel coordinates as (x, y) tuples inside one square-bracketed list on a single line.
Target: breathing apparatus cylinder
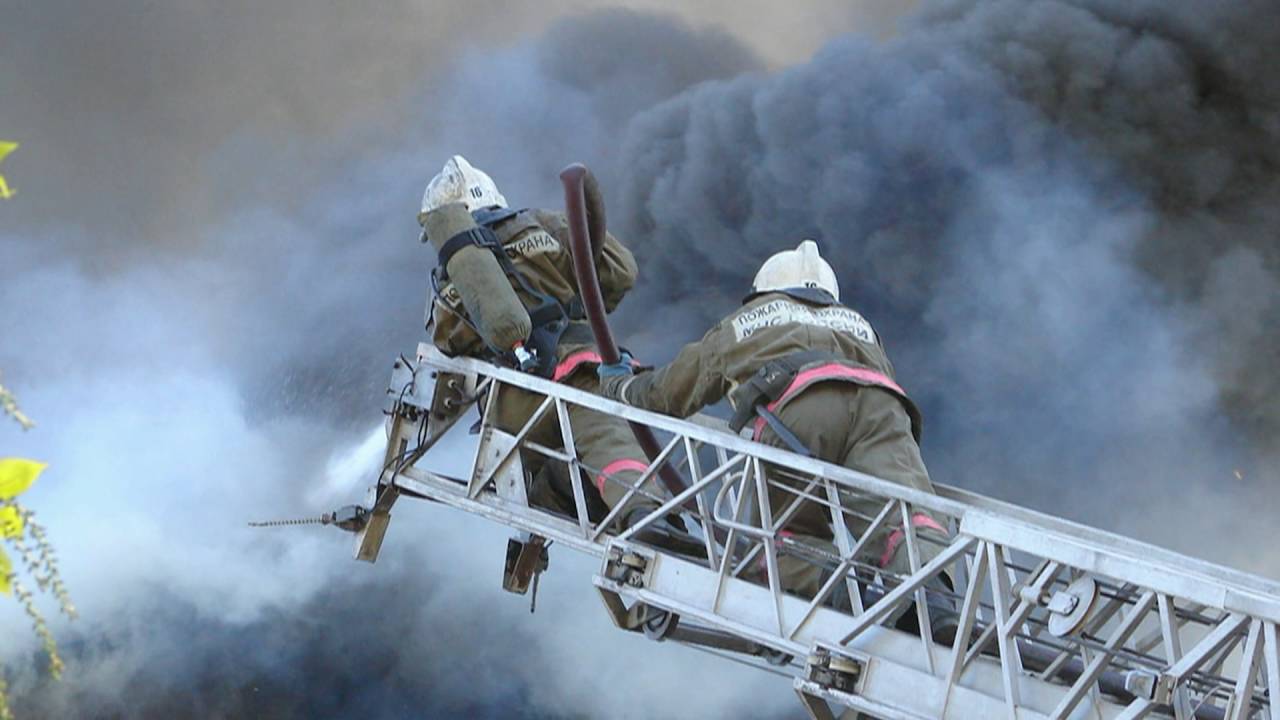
[(487, 295)]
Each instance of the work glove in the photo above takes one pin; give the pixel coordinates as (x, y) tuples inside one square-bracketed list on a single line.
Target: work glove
[(622, 368)]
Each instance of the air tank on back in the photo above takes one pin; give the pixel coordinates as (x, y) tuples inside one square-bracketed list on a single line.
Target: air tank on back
[(487, 295)]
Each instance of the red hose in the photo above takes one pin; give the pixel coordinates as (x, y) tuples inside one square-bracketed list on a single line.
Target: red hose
[(581, 238)]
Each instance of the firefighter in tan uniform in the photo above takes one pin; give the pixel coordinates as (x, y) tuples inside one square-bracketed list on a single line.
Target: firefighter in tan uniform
[(825, 388), (531, 248)]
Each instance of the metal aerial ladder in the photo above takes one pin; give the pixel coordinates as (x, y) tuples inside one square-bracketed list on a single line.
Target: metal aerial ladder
[(1056, 620)]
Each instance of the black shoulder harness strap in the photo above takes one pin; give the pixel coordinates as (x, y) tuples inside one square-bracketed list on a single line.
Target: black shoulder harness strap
[(479, 236), (490, 216)]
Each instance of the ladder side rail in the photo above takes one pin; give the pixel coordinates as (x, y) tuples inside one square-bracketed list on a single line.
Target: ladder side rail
[(896, 683), (491, 506), (1246, 582), (696, 432), (998, 527), (1232, 589)]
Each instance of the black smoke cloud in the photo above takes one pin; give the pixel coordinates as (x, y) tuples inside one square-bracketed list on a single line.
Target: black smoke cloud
[(1177, 101), (1060, 215)]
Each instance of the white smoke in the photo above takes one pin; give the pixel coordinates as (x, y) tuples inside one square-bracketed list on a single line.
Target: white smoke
[(197, 368)]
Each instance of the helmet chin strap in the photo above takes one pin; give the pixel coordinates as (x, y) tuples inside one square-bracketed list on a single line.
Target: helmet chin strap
[(813, 295)]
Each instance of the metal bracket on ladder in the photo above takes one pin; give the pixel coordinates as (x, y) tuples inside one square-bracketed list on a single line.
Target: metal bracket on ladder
[(422, 405), (835, 669)]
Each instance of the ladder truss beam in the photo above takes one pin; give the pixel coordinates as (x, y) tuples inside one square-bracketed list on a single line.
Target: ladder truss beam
[(1056, 619)]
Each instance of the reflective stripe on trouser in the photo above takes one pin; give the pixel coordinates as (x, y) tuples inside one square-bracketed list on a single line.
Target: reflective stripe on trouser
[(603, 442), (868, 430)]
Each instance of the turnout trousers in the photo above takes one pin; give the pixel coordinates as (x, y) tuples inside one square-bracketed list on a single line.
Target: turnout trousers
[(610, 458), (863, 428)]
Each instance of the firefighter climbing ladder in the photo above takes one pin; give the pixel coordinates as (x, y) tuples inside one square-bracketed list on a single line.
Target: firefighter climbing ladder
[(1057, 620)]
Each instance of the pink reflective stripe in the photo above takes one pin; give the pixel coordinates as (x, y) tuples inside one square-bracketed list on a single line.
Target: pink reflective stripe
[(829, 371), (896, 537), (890, 545), (575, 360), (571, 363), (618, 466), (836, 370), (924, 521)]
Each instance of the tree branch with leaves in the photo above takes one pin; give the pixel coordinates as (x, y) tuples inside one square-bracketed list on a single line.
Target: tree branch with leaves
[(10, 406), (29, 542)]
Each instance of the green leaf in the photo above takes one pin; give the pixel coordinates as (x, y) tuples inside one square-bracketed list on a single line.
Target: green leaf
[(11, 525), (16, 475)]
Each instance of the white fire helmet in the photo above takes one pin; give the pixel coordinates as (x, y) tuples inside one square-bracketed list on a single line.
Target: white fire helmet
[(459, 182), (799, 268)]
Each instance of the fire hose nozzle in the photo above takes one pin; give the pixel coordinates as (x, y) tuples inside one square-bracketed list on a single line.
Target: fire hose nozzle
[(351, 518)]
